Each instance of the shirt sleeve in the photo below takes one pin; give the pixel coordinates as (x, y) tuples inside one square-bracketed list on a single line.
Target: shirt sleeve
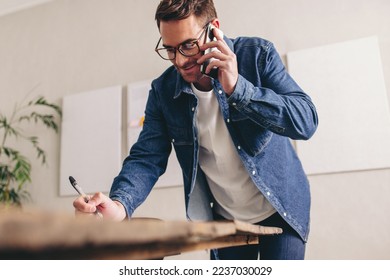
[(146, 161), (278, 104)]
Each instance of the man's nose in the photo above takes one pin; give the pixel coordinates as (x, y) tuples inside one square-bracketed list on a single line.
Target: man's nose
[(180, 59)]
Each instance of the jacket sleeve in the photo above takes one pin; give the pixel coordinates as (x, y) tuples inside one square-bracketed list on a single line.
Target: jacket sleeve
[(278, 104), (146, 161)]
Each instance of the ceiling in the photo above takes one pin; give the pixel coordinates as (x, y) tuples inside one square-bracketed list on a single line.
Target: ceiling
[(11, 6)]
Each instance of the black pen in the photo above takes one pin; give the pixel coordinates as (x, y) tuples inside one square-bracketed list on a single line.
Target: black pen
[(80, 192)]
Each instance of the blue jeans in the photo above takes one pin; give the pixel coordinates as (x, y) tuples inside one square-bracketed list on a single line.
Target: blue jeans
[(285, 246)]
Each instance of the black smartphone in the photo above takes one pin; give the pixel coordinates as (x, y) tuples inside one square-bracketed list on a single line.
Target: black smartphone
[(209, 37)]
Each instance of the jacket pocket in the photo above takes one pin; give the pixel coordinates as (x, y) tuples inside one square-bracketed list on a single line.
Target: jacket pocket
[(254, 137), (180, 136)]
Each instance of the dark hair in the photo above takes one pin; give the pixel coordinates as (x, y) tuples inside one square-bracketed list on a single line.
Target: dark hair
[(180, 9)]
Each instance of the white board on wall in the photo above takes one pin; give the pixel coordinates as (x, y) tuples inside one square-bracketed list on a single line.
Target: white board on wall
[(346, 83), (137, 95), (91, 140)]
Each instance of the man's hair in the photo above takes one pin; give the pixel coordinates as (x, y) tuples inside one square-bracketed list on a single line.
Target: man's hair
[(181, 9)]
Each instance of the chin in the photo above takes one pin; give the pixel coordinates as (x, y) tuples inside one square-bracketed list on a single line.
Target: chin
[(192, 78)]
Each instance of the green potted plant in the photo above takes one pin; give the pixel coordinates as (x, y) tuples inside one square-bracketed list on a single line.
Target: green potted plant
[(15, 168)]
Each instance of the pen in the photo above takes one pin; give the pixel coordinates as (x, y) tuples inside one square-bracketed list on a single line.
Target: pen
[(80, 192)]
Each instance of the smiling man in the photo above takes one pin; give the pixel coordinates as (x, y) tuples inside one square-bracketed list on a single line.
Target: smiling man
[(231, 132)]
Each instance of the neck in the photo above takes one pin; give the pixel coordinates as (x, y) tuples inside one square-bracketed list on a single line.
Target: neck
[(204, 84)]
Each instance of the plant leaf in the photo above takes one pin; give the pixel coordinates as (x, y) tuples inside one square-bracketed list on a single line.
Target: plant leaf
[(42, 101), (22, 170), (15, 169)]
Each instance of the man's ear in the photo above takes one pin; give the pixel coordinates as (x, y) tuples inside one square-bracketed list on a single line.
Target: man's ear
[(215, 22)]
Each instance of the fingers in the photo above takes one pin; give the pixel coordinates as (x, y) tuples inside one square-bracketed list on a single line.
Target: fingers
[(82, 206), (223, 59), (216, 58), (221, 54), (218, 34), (101, 203), (88, 204), (98, 199), (220, 43)]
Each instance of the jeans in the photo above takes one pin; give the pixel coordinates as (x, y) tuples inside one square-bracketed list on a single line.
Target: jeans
[(285, 246)]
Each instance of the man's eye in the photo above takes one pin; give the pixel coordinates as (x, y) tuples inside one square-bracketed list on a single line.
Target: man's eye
[(188, 46), (170, 50)]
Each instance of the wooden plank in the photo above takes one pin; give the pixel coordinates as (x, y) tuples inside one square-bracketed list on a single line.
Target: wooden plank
[(246, 228), (55, 236), (22, 230)]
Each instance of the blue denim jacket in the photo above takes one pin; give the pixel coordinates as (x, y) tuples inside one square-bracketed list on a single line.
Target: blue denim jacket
[(266, 109)]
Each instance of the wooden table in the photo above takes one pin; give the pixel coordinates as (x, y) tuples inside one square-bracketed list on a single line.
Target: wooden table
[(57, 236)]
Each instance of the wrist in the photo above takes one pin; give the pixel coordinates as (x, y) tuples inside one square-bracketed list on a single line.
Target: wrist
[(121, 212)]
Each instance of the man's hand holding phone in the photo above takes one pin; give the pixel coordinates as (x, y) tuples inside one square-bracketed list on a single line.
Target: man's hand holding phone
[(218, 60)]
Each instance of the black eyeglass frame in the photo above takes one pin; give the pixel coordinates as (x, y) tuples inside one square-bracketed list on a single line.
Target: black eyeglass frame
[(179, 48)]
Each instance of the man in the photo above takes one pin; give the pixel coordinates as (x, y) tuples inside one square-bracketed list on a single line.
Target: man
[(230, 133)]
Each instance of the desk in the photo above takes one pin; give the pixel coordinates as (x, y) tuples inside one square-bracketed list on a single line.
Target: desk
[(58, 236)]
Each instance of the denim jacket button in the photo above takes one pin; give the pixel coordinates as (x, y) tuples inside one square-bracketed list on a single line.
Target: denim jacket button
[(234, 104), (285, 214), (220, 91), (254, 172), (228, 120), (268, 193), (239, 147), (193, 109)]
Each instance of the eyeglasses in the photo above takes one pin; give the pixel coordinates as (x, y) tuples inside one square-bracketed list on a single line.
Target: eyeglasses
[(188, 48)]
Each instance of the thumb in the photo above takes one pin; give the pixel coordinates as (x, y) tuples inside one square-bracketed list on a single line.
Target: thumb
[(98, 199)]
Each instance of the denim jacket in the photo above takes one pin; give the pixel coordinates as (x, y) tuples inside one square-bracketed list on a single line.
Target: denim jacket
[(265, 111)]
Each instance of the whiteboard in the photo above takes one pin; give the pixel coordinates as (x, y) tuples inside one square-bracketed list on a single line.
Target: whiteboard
[(346, 83), (137, 94), (91, 140)]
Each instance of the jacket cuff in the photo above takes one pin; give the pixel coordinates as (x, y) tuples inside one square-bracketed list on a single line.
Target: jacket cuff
[(125, 201), (242, 93)]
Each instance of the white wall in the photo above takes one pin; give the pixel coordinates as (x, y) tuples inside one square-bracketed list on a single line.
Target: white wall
[(67, 46)]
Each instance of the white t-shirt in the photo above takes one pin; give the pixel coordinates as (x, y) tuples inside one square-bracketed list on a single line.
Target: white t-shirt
[(235, 194)]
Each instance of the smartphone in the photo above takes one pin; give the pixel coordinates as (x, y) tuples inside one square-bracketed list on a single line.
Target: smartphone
[(209, 37)]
